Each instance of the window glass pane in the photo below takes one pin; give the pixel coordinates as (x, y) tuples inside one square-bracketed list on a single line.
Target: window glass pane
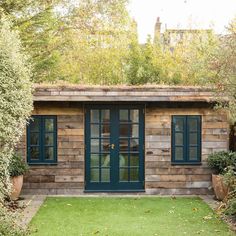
[(49, 151), (134, 159), (105, 145), (179, 139), (192, 124), (123, 175), (124, 116), (49, 125), (34, 139), (124, 160), (135, 131), (134, 145), (124, 145), (49, 139), (193, 154), (179, 124), (94, 175), (94, 145), (105, 175), (94, 131), (193, 138), (124, 130), (34, 153), (94, 116), (105, 116), (134, 174), (105, 129), (179, 155), (34, 124), (94, 160), (134, 116), (105, 160)]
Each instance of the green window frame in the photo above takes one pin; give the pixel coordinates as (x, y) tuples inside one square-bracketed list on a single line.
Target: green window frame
[(186, 139), (42, 140)]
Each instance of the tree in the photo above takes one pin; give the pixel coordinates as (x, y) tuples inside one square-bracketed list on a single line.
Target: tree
[(81, 41), (99, 42), (41, 28), (142, 64), (223, 63), (15, 97), (193, 57)]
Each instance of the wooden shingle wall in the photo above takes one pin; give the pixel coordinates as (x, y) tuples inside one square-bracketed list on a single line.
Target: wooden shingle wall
[(162, 177)]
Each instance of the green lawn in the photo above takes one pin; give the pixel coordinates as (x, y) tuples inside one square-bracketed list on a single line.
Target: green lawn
[(113, 216)]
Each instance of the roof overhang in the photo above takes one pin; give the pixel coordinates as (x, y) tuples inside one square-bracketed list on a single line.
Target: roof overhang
[(146, 93)]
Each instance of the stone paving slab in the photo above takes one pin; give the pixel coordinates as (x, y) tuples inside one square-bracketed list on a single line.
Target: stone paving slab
[(32, 204), (210, 201)]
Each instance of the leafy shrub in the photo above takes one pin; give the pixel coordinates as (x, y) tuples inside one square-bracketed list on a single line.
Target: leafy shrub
[(17, 166), (8, 225), (231, 207), (230, 179), (15, 97), (219, 161)]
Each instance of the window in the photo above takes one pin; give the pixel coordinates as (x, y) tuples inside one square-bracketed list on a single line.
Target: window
[(42, 140), (186, 139)]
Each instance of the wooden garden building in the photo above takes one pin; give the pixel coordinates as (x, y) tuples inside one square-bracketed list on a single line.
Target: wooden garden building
[(152, 139)]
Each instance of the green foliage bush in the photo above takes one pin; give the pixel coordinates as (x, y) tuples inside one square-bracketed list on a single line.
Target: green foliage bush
[(231, 207), (17, 166), (15, 108), (225, 163), (230, 179), (220, 161), (15, 97), (8, 226)]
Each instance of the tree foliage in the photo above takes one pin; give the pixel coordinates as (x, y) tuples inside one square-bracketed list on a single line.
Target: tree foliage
[(41, 30), (95, 42), (223, 63), (99, 42), (83, 41), (186, 63)]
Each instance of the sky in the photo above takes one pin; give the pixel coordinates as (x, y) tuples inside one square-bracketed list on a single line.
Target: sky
[(201, 14)]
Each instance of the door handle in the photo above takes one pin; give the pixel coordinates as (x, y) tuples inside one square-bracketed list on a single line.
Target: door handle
[(112, 146)]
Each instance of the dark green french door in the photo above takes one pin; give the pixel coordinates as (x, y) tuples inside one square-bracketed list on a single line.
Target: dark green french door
[(114, 137)]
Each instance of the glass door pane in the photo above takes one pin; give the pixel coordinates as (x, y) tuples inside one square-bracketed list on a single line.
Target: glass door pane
[(99, 136), (129, 143)]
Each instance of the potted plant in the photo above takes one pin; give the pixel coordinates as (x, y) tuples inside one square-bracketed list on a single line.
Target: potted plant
[(220, 161), (17, 168)]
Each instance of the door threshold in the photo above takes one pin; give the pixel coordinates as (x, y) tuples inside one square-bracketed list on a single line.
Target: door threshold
[(115, 191)]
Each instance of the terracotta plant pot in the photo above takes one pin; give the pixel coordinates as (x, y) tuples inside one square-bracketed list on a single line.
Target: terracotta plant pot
[(17, 183), (220, 188)]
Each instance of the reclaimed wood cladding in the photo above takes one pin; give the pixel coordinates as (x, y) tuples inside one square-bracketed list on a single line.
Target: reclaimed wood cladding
[(68, 173), (67, 176), (162, 177)]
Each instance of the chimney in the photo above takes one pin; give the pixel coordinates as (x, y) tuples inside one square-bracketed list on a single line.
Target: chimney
[(157, 31)]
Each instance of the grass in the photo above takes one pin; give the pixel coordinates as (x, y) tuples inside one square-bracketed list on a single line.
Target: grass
[(113, 216)]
